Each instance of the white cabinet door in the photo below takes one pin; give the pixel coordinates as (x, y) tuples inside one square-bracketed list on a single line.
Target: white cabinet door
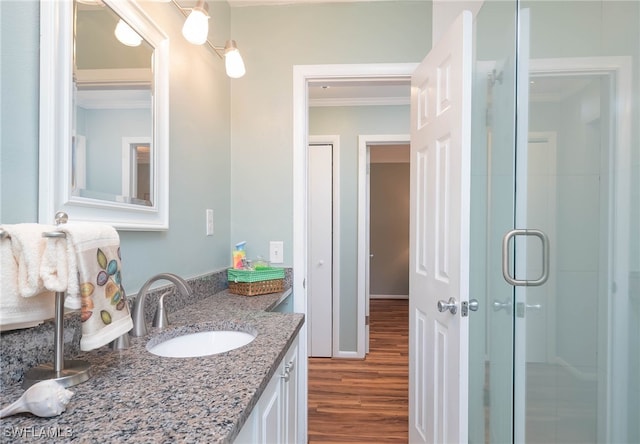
[(274, 419), (248, 432), (270, 413), (290, 395)]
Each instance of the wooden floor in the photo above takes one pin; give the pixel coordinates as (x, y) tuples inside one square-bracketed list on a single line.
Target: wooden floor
[(365, 401)]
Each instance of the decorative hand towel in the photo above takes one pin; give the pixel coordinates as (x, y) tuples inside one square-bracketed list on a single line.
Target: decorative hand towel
[(15, 311), (93, 271), (27, 245)]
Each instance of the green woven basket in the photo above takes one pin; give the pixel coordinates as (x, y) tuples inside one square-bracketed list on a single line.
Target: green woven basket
[(264, 274)]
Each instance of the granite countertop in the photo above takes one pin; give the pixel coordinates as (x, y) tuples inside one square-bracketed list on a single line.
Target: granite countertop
[(135, 396)]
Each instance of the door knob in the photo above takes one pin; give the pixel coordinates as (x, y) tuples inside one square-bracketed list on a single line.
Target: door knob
[(320, 263), (521, 308), (471, 304), (499, 305), (450, 305)]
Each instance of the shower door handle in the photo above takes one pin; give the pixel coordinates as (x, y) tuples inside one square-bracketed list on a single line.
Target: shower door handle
[(545, 258)]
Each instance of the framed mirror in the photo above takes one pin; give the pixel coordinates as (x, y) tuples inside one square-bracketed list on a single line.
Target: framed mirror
[(104, 114)]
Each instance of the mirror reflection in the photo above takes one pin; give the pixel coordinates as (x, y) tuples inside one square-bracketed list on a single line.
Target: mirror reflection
[(112, 152)]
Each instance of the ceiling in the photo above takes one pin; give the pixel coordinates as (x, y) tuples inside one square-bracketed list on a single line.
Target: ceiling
[(558, 87), (348, 92), (234, 3)]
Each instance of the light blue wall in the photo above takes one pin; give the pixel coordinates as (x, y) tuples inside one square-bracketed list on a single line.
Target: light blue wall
[(349, 123), (273, 39), (200, 141), (104, 130), (19, 61)]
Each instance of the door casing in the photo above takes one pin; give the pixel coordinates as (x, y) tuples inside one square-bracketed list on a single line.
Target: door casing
[(364, 143), (302, 75)]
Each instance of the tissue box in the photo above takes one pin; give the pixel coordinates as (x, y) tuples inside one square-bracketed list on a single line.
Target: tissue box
[(256, 282)]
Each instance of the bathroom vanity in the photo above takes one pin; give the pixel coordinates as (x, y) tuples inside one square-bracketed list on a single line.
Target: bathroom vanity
[(246, 395)]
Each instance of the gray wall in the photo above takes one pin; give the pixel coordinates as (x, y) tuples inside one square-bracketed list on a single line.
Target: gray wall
[(389, 229)]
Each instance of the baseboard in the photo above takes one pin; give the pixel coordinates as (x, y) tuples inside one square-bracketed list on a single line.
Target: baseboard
[(582, 375), (347, 355), (388, 296)]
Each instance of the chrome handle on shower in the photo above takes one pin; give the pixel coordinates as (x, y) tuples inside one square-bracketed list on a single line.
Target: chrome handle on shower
[(522, 308), (545, 258)]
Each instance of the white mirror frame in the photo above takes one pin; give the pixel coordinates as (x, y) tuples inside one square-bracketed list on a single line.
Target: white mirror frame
[(56, 43)]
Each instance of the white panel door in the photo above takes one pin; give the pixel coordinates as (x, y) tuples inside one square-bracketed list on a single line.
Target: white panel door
[(320, 264), (368, 254), (439, 264)]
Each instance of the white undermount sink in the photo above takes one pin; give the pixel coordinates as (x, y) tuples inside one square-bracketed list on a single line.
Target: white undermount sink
[(203, 343)]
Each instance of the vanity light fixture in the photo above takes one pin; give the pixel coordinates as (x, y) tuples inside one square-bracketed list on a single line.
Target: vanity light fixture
[(126, 35), (196, 31)]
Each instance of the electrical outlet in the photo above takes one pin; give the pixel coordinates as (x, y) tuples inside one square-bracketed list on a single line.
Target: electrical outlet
[(209, 214), (276, 255)]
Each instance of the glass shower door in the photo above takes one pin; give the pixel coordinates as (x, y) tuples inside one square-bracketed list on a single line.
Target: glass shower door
[(492, 214), (556, 148), (576, 340)]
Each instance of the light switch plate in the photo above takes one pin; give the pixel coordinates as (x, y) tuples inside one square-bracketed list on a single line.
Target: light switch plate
[(276, 255)]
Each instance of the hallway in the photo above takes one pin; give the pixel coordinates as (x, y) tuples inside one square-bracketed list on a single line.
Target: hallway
[(365, 401)]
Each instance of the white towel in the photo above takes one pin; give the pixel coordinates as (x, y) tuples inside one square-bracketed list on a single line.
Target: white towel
[(17, 311), (86, 264), (28, 245), (59, 270)]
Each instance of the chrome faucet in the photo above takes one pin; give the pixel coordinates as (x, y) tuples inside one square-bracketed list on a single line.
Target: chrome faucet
[(139, 323)]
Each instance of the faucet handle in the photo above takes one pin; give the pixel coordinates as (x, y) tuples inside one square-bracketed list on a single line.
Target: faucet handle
[(121, 342), (160, 319)]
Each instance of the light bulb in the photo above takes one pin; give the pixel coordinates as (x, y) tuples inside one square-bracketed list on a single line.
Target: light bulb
[(196, 27), (233, 63), (126, 35)]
